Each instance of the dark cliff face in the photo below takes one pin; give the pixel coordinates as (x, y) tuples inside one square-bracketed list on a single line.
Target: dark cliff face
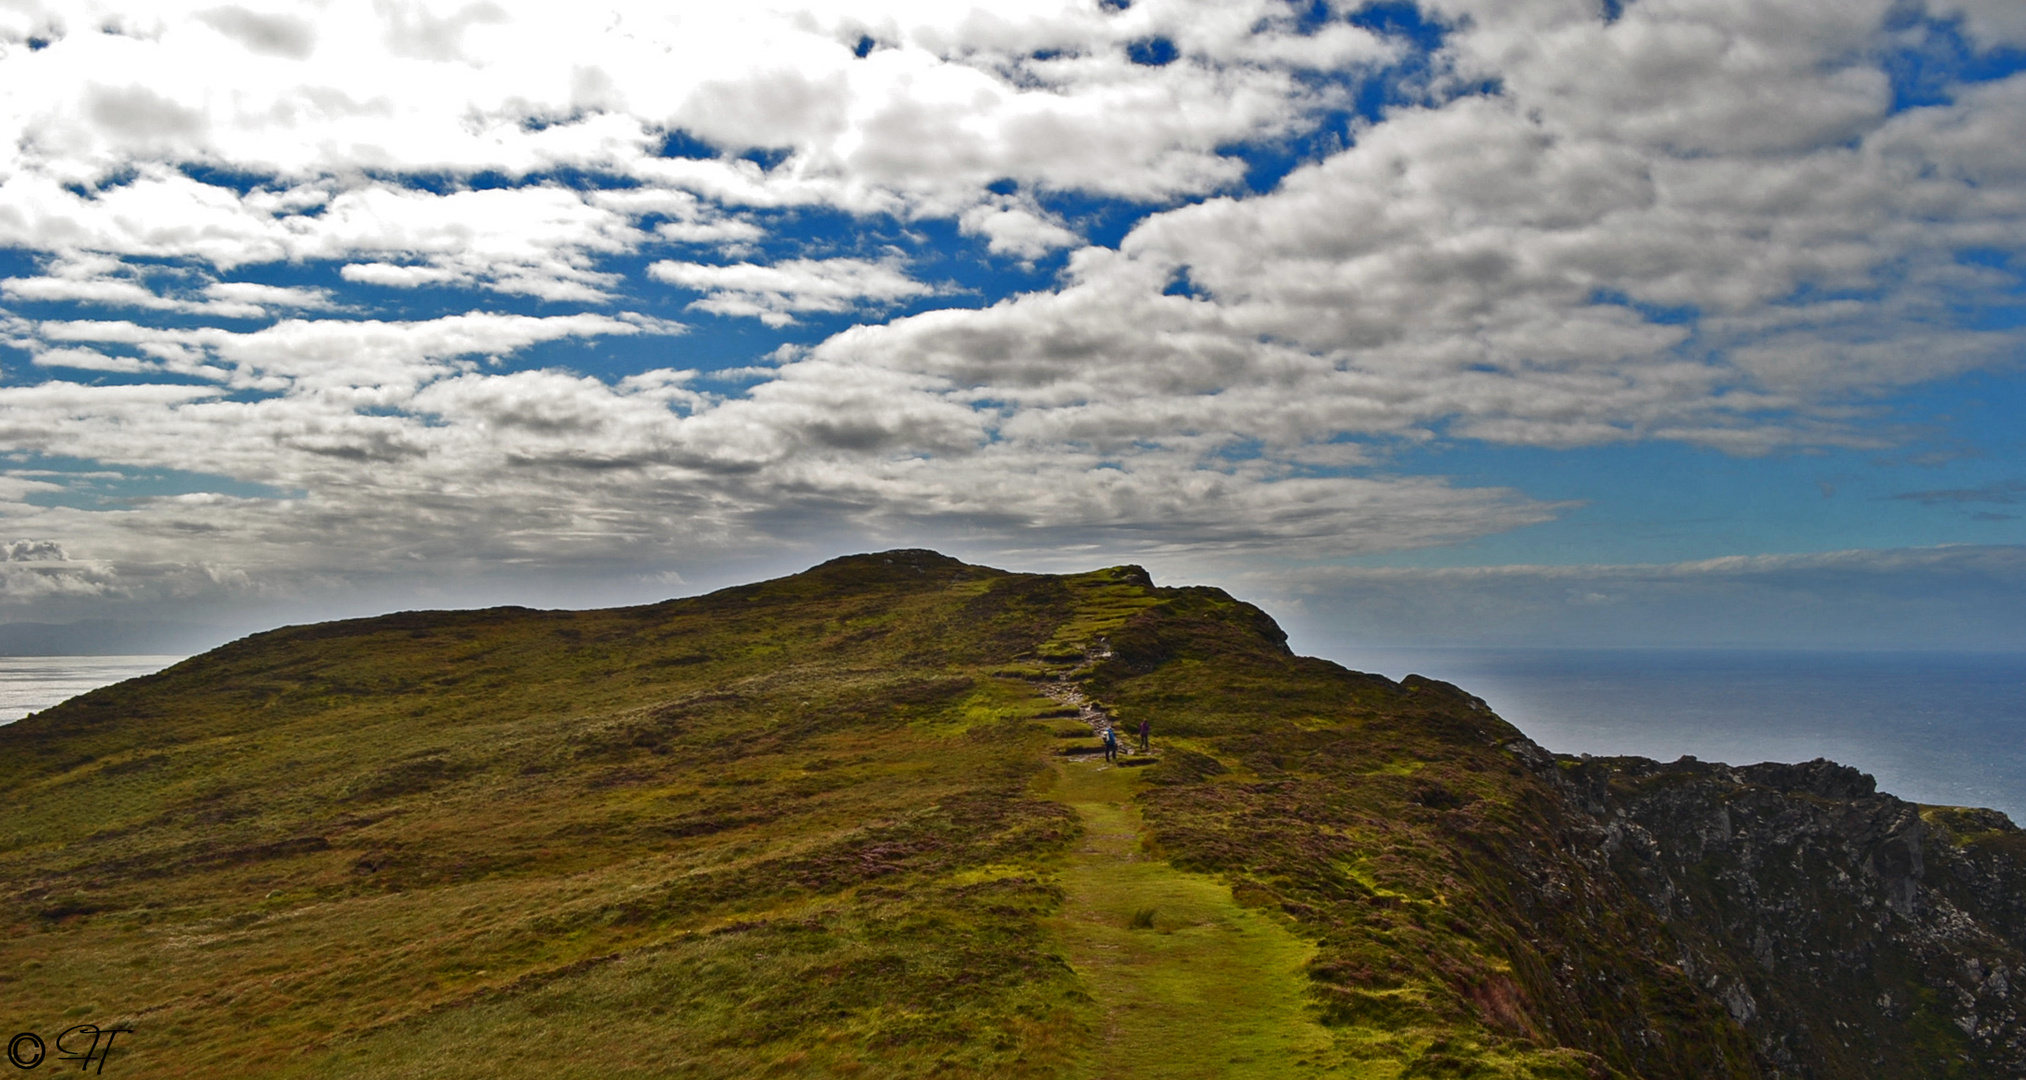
[(1682, 920), (1850, 933)]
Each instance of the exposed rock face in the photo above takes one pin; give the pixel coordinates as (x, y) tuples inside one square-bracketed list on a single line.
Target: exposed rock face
[(1647, 921), (1850, 933)]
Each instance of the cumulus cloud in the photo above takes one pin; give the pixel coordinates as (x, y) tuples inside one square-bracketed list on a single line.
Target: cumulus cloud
[(1018, 228), (774, 293), (1694, 222), (93, 360), (273, 35), (398, 276), (460, 467), (958, 97), (33, 570), (315, 354), (1991, 23), (103, 281), (1628, 242), (33, 551)]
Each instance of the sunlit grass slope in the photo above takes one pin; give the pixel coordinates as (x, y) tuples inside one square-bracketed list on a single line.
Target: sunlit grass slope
[(812, 827), (1185, 981)]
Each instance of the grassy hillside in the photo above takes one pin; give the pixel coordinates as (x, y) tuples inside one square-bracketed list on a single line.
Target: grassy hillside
[(820, 826)]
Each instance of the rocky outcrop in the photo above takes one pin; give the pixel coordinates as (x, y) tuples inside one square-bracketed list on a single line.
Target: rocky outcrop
[(1850, 933)]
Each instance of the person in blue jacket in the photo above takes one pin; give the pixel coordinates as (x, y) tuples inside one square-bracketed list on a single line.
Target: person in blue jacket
[(1111, 745)]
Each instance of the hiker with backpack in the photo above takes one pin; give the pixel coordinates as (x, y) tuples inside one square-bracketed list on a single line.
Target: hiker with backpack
[(1111, 744)]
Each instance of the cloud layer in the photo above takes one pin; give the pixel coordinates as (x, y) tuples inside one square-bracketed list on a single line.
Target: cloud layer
[(329, 256)]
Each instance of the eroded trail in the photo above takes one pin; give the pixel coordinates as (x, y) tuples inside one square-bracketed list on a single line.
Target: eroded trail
[(1187, 983)]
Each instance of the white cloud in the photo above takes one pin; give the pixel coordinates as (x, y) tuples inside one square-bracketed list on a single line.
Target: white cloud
[(107, 282), (955, 99), (269, 296), (398, 276), (270, 34), (538, 240), (774, 293), (729, 233), (1016, 228), (40, 578), (92, 360), (379, 356), (1489, 268), (1700, 222), (1991, 23), (32, 550), (104, 291)]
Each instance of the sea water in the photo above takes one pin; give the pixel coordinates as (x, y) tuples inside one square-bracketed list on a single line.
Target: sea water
[(34, 683), (1946, 728)]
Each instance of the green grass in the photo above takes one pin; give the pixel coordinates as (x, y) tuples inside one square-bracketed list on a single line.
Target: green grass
[(374, 847), (1104, 601), (820, 827), (1185, 982)]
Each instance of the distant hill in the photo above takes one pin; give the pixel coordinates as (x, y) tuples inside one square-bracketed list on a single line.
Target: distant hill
[(855, 822), (106, 637)]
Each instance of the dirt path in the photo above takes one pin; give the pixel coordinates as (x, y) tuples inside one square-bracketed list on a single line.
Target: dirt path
[(1065, 692), (1187, 983)]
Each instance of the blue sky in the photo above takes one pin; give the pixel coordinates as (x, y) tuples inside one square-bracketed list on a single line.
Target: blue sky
[(1548, 322)]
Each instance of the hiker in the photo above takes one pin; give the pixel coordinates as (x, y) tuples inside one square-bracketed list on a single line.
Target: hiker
[(1145, 730), (1111, 744)]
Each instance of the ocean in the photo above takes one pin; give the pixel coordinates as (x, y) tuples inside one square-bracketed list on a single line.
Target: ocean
[(1932, 727), (1946, 728), (34, 683)]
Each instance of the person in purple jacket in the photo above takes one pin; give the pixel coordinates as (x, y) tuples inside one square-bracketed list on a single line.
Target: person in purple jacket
[(1145, 730)]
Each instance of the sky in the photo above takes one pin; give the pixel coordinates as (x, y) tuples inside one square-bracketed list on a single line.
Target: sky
[(1466, 322)]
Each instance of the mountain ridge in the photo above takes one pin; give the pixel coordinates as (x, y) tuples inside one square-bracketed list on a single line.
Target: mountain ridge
[(821, 826)]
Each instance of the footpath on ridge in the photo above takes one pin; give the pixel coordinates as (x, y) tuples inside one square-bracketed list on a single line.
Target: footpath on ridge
[(1186, 982)]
